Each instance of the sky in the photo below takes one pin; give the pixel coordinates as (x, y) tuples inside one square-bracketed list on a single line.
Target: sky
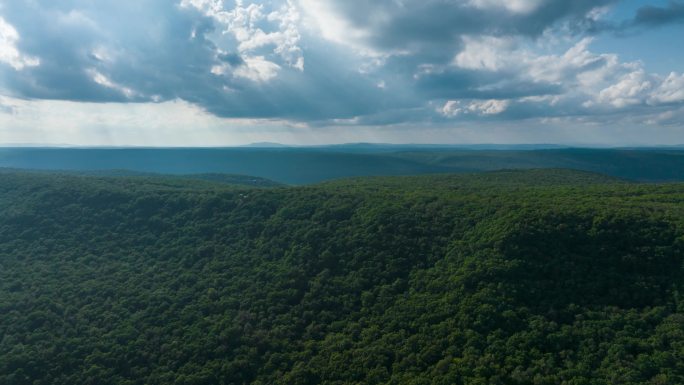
[(232, 72)]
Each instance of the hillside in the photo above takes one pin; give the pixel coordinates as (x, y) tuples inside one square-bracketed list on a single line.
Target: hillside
[(188, 180), (306, 165), (511, 277)]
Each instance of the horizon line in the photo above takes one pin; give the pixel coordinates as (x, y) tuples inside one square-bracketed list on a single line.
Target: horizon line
[(275, 145)]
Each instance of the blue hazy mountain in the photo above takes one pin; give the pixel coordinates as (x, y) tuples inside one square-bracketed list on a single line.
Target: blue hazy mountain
[(265, 145), (300, 165)]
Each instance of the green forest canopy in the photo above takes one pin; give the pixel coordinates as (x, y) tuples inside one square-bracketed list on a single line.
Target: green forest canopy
[(512, 277)]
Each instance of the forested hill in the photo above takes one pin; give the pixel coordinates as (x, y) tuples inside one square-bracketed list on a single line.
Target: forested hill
[(514, 277), (147, 178), (305, 165)]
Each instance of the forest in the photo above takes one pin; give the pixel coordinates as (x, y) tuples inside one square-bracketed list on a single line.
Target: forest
[(509, 277)]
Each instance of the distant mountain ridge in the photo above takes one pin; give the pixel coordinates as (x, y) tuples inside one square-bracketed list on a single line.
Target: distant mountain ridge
[(228, 179), (305, 165), (265, 145)]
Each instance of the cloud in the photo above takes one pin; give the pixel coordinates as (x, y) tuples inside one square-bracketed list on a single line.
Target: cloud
[(509, 78), (485, 53), (203, 51), (453, 108), (242, 60), (650, 15), (392, 27), (630, 89), (514, 6), (247, 22), (9, 54), (86, 49), (645, 17), (104, 81), (5, 107), (639, 88), (257, 69), (671, 90), (335, 63)]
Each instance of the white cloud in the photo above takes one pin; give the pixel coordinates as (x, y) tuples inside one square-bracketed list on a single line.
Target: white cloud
[(257, 69), (508, 54), (671, 90), (287, 39), (577, 62), (587, 80), (256, 29), (487, 53), (631, 89), (453, 108), (9, 53), (490, 107), (514, 6), (333, 26), (104, 81), (640, 88)]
